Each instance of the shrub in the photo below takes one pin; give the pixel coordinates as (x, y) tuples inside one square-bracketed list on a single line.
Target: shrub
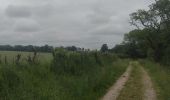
[(77, 63)]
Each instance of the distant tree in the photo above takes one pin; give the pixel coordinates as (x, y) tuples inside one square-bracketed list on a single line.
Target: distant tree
[(29, 48), (72, 48), (104, 48), (119, 48)]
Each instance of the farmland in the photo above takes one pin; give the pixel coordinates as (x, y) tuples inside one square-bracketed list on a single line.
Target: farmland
[(43, 57), (49, 80)]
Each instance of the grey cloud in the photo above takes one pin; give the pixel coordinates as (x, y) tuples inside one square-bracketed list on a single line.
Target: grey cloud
[(18, 11), (85, 23), (5, 23), (26, 25), (99, 18)]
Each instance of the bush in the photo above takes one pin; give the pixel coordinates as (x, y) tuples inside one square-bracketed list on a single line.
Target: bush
[(77, 63)]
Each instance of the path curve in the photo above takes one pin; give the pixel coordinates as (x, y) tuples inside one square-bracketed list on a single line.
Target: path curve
[(149, 92), (115, 90)]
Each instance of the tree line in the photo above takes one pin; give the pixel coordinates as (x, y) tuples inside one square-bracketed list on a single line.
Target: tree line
[(28, 48), (32, 48), (151, 38)]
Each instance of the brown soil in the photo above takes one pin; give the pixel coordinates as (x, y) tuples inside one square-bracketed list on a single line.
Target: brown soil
[(114, 91), (149, 92)]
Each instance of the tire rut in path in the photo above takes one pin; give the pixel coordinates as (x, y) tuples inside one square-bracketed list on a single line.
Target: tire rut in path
[(149, 92), (115, 90)]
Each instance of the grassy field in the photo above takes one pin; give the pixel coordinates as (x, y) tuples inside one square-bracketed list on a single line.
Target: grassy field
[(133, 89), (11, 55), (44, 82), (161, 78)]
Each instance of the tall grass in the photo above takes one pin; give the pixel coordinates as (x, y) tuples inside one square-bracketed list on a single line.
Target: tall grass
[(86, 75), (161, 77), (69, 76), (93, 84), (27, 82), (77, 63)]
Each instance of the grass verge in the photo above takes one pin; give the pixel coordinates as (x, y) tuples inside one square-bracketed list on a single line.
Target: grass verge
[(160, 76)]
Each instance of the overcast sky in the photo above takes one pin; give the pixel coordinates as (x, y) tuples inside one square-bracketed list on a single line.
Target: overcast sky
[(84, 23)]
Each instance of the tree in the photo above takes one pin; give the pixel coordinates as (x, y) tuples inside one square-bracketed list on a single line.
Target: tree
[(155, 22), (72, 48), (133, 46), (104, 48)]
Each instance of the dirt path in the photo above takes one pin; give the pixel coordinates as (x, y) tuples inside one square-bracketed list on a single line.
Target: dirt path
[(133, 89), (114, 91), (149, 92)]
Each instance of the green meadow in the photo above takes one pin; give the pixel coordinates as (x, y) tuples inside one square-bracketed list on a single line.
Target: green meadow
[(63, 75), (11, 55)]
